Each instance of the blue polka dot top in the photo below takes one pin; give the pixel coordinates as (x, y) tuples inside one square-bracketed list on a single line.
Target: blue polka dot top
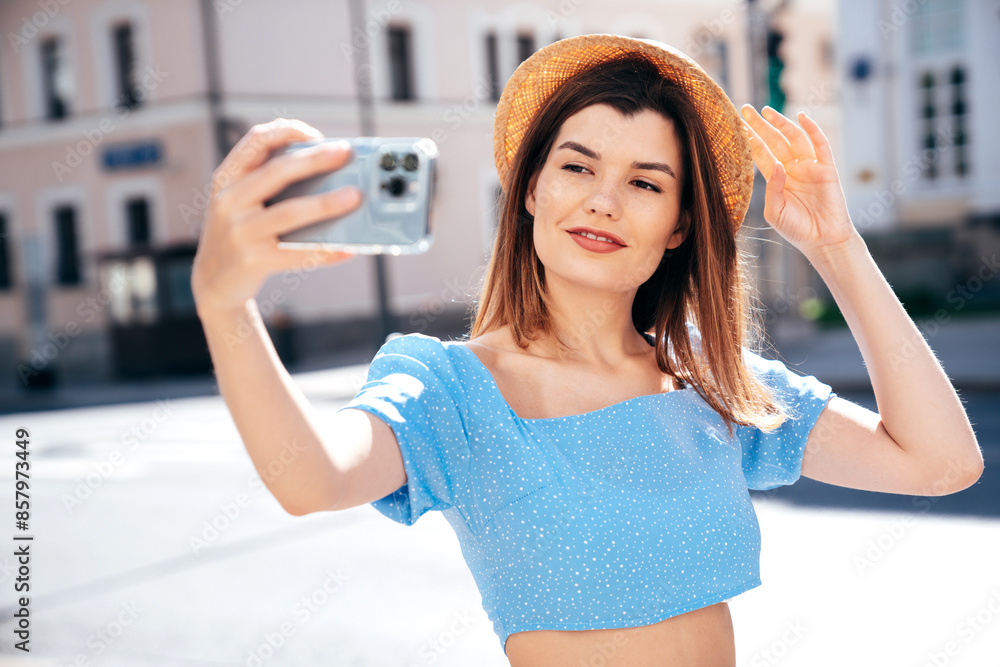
[(619, 517)]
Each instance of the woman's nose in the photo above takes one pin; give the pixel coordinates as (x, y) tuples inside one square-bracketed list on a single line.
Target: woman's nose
[(605, 200)]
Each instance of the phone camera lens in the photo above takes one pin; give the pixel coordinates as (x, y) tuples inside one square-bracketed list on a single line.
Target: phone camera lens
[(395, 185), (388, 162), (410, 162)]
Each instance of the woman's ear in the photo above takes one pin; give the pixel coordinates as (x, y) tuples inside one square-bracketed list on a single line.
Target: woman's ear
[(680, 232), (529, 197)]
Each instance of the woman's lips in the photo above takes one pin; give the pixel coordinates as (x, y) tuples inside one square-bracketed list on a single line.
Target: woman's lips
[(593, 244)]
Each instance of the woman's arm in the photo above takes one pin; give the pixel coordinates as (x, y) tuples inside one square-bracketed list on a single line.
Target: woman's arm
[(918, 407), (920, 442), (359, 460)]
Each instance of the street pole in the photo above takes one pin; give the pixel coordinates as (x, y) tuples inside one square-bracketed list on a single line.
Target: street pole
[(366, 117), (213, 78)]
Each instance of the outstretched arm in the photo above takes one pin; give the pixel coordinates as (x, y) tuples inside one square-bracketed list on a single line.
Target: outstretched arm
[(920, 442)]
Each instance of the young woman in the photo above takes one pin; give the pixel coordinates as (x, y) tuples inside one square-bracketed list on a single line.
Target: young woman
[(593, 439)]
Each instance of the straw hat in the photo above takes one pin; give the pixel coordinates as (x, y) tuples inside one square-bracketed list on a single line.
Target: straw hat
[(534, 81)]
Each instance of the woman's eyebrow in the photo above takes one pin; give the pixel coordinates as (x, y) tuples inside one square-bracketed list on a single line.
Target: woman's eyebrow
[(593, 155)]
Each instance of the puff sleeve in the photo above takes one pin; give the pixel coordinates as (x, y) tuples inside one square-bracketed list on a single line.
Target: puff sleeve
[(412, 387), (774, 459)]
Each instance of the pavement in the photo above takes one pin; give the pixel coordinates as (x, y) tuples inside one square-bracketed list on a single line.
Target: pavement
[(154, 545)]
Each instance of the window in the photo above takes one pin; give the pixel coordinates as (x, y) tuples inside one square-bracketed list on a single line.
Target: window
[(936, 26), (944, 123), (958, 109), (493, 66), (137, 219), (400, 63), (54, 75), (68, 256), (5, 280), (525, 46), (128, 95)]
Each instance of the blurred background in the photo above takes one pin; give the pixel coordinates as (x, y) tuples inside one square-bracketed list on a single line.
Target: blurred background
[(113, 116)]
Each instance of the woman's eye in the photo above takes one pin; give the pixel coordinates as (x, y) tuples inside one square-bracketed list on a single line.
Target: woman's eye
[(651, 188), (571, 166)]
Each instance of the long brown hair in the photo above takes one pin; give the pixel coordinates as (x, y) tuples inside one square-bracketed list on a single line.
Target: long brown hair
[(703, 280)]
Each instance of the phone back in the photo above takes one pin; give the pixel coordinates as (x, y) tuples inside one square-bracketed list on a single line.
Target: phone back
[(396, 176)]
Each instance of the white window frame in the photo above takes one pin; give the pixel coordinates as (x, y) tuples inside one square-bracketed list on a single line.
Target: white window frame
[(47, 201), (31, 68), (118, 192), (419, 19), (102, 19)]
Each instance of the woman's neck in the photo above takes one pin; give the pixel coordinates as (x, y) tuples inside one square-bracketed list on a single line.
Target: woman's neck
[(595, 325)]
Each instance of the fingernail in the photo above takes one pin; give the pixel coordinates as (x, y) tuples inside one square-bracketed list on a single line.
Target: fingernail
[(338, 146), (349, 197)]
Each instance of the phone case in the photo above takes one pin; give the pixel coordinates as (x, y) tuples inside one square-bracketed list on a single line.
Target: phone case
[(396, 176)]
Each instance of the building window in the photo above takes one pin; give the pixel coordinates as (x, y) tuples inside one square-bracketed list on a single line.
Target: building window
[(128, 93), (137, 219), (400, 63), (960, 140), (944, 122), (67, 248), (493, 66), (54, 75), (525, 46), (5, 279), (936, 26)]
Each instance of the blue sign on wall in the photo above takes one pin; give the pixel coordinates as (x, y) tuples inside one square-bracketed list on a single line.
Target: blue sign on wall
[(133, 155)]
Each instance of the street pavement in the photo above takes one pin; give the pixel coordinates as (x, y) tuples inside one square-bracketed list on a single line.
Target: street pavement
[(155, 545)]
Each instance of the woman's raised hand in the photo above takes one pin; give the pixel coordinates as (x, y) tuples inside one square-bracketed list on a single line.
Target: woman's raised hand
[(238, 248), (803, 200)]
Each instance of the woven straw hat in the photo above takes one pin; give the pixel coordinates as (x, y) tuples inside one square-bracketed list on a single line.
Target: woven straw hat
[(534, 81)]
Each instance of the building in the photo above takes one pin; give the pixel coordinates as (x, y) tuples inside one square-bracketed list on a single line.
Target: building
[(114, 114), (921, 169)]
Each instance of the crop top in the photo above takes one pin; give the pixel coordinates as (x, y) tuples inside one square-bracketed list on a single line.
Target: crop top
[(620, 517)]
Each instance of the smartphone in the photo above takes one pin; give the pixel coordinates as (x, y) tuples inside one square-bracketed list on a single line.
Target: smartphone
[(396, 177)]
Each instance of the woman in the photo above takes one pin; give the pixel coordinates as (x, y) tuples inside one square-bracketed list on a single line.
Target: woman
[(593, 440)]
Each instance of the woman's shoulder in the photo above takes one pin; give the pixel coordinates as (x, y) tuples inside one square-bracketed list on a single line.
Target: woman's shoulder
[(443, 358)]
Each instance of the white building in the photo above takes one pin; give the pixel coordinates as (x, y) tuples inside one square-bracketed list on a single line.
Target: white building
[(921, 158)]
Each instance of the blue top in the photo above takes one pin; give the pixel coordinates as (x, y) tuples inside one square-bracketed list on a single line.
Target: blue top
[(619, 517)]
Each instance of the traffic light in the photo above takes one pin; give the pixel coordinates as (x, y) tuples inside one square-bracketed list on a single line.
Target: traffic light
[(775, 66)]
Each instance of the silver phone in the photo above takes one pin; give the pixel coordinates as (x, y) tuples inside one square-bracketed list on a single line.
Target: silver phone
[(396, 176)]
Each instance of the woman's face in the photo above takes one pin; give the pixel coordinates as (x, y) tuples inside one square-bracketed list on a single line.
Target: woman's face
[(612, 177)]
